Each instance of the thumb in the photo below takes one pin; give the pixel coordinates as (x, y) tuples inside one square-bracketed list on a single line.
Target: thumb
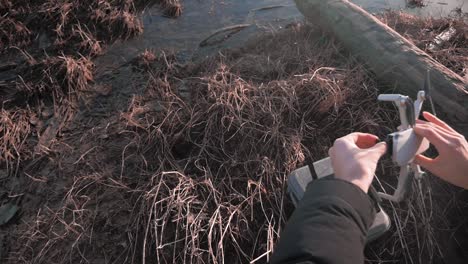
[(424, 162), (379, 148)]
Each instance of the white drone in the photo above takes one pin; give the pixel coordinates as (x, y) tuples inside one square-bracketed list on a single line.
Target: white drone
[(402, 145)]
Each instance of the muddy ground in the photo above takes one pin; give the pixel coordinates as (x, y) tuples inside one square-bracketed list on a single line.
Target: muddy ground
[(163, 162)]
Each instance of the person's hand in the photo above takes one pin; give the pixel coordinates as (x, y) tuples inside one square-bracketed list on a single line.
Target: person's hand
[(354, 158), (452, 163)]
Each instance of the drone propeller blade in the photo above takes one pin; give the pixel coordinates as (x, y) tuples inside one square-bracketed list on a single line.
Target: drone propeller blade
[(428, 91), (427, 84), (410, 115)]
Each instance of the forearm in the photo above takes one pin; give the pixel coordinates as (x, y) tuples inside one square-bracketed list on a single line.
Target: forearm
[(329, 225)]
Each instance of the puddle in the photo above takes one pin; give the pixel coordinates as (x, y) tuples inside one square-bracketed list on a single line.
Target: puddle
[(201, 18)]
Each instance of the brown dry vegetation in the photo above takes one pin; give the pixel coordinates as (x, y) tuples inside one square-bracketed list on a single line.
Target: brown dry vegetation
[(73, 27), (415, 3), (196, 180), (48, 46), (191, 169), (453, 53)]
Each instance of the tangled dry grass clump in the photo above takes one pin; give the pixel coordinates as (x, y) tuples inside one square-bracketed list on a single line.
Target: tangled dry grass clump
[(14, 130), (73, 25), (444, 39), (55, 78), (172, 8), (13, 34), (38, 102), (415, 3), (194, 170), (47, 47)]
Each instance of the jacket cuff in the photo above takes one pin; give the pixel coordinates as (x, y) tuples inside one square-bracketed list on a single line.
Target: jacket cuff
[(348, 192)]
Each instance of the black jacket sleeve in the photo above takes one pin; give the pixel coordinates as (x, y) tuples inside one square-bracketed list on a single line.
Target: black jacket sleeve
[(329, 225)]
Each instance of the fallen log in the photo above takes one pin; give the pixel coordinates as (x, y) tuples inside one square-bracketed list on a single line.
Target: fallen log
[(393, 59)]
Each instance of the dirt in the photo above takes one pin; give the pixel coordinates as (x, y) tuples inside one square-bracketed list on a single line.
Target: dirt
[(164, 162)]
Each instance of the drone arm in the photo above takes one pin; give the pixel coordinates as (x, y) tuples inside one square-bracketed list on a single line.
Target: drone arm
[(403, 117), (401, 103), (404, 184), (419, 103)]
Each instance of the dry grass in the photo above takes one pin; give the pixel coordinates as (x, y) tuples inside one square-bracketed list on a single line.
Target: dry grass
[(453, 52), (172, 8), (56, 78), (202, 180), (72, 26), (193, 170), (146, 59), (52, 44), (415, 3), (13, 34), (15, 127), (51, 88)]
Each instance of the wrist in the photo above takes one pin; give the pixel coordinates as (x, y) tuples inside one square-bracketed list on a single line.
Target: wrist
[(358, 175), (363, 185)]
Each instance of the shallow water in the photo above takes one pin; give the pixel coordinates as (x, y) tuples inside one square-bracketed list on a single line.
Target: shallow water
[(201, 18)]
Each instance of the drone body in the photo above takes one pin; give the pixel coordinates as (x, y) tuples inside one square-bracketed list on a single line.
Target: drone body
[(404, 144)]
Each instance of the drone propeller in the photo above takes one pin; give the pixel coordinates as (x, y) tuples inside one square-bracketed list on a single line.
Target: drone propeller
[(410, 114), (427, 91)]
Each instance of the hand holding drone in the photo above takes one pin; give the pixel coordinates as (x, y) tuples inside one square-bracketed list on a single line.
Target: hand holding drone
[(403, 145)]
